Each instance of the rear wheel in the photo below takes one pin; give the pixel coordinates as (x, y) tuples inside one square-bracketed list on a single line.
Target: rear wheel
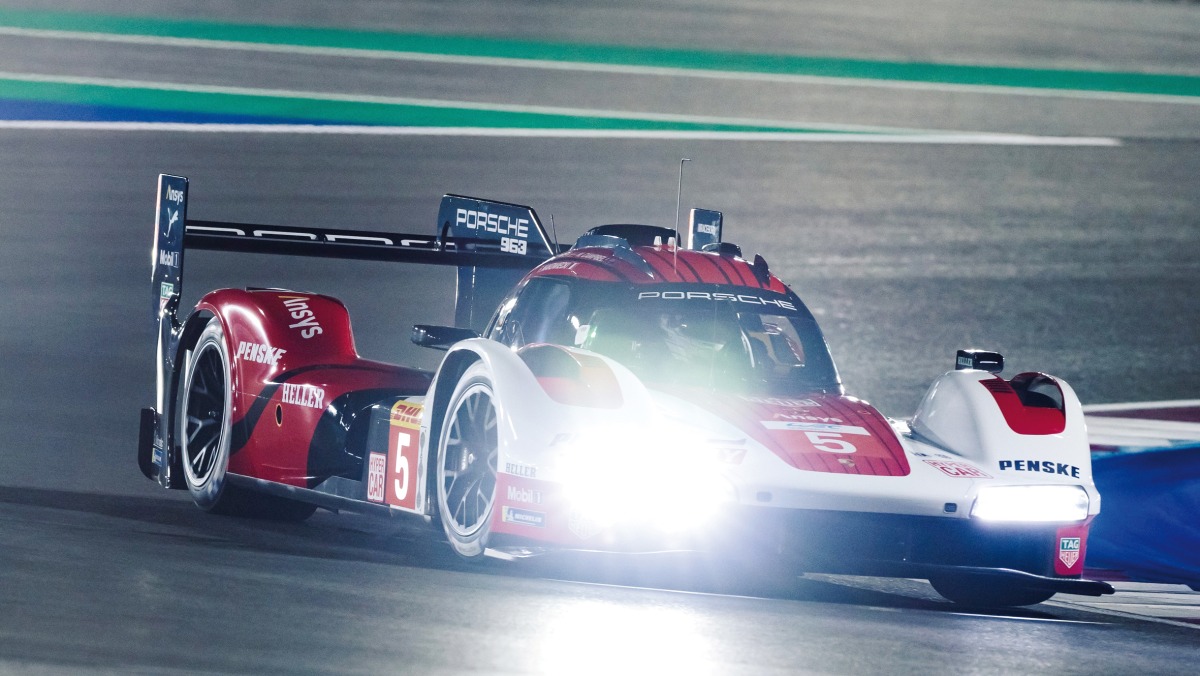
[(985, 593), (468, 450), (204, 432), (204, 426)]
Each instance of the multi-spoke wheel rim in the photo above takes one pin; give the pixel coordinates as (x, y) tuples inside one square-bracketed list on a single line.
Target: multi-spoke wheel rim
[(467, 473), (204, 412)]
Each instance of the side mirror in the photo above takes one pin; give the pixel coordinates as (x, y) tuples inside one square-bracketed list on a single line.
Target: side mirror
[(982, 360), (440, 337)]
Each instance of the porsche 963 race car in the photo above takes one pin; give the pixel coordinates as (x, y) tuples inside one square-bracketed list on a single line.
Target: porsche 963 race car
[(623, 394)]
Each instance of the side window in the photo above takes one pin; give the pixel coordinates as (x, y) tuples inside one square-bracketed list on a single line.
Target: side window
[(538, 314), (496, 325)]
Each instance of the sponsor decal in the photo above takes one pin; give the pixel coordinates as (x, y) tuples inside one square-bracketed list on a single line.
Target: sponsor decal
[(726, 297), (1068, 551), (813, 427), (407, 414), (777, 401), (304, 395), (965, 362), (165, 291), (846, 462), (586, 255), (958, 469), (172, 219), (559, 265), (259, 353), (297, 307), (524, 517), (1044, 466), (526, 495), (517, 469), (168, 258), (581, 525), (173, 195), (403, 437), (922, 454), (803, 417), (500, 224), (707, 228), (156, 456), (376, 471)]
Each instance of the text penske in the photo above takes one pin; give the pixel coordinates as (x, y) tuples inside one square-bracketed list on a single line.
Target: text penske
[(723, 297), (259, 353), (1044, 466)]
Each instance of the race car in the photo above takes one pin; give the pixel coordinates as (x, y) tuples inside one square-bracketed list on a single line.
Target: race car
[(626, 393)]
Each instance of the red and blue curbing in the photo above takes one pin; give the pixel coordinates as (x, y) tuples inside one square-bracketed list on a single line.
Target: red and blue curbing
[(1146, 464)]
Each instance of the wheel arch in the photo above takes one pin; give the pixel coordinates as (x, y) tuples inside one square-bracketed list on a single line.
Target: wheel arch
[(455, 363)]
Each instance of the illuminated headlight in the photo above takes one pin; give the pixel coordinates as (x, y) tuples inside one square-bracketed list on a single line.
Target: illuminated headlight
[(670, 482), (1045, 504)]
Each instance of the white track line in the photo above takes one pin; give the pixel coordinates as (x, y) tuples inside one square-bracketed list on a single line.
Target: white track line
[(1141, 405), (364, 130), (463, 105), (583, 66)]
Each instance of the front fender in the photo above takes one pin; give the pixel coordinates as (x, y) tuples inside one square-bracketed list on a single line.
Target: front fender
[(532, 414), (978, 416)]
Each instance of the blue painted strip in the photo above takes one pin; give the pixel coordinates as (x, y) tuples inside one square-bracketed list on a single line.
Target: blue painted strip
[(16, 109), (1148, 526)]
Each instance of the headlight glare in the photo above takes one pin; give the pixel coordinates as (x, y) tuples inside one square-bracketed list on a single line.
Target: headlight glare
[(670, 482), (1031, 504)]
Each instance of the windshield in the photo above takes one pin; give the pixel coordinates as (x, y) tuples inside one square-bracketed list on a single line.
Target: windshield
[(758, 343)]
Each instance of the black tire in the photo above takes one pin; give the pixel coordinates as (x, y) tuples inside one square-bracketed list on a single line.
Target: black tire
[(985, 593), (204, 421), (204, 430), (467, 453)]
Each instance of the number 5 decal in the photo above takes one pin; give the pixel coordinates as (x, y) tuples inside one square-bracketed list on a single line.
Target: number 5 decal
[(400, 483), (830, 442), (403, 440), (402, 473)]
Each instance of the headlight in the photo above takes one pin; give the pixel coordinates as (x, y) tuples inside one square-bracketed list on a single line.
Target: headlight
[(670, 481), (1039, 504)]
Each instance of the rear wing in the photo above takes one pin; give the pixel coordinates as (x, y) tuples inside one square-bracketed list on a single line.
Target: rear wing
[(489, 242), (493, 244)]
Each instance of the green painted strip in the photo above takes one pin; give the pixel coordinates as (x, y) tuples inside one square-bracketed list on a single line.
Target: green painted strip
[(776, 64), (340, 112)]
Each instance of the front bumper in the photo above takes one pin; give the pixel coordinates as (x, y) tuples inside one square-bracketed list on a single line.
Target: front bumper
[(861, 543)]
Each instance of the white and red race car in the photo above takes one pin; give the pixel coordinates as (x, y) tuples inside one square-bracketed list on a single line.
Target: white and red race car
[(625, 394)]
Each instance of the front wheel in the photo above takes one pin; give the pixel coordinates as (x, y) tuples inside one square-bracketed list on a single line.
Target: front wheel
[(984, 593), (467, 453)]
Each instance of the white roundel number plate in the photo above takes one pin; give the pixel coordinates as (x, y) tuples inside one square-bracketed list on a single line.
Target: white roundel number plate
[(826, 437), (830, 442)]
